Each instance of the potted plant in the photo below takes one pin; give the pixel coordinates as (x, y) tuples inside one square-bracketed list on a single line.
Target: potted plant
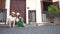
[(52, 13)]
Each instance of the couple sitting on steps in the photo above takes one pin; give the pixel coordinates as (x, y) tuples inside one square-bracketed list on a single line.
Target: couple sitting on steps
[(18, 20)]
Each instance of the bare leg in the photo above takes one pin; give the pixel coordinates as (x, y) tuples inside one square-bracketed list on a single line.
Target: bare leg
[(9, 23), (13, 23)]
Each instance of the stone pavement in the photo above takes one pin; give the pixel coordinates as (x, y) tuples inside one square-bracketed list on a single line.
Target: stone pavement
[(32, 30)]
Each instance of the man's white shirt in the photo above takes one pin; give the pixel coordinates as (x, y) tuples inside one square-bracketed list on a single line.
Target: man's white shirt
[(10, 18)]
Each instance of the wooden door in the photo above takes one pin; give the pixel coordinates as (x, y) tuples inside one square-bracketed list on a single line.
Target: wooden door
[(2, 4), (19, 6)]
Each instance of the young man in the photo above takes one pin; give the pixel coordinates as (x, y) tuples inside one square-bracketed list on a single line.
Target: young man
[(11, 19)]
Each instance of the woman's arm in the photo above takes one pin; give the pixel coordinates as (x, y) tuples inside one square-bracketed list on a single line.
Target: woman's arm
[(21, 18)]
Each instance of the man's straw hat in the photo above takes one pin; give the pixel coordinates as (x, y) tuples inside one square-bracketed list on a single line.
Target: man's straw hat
[(13, 12)]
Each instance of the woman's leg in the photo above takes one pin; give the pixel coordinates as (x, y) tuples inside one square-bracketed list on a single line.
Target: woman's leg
[(13, 23)]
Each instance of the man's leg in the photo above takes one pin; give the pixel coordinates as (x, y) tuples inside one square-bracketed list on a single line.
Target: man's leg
[(9, 23)]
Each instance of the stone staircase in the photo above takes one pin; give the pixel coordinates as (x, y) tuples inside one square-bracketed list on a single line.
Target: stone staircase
[(26, 25), (32, 24)]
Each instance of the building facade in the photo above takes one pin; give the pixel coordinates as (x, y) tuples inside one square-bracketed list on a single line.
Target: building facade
[(30, 10)]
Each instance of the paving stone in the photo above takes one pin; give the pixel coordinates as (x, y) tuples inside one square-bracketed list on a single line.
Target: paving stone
[(32, 30)]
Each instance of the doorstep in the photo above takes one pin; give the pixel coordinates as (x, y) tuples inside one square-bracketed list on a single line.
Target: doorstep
[(48, 24)]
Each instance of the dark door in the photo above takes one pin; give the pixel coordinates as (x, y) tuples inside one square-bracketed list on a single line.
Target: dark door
[(3, 12), (19, 6), (32, 15)]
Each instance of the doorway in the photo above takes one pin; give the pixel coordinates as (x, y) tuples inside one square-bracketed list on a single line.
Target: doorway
[(32, 15), (3, 16)]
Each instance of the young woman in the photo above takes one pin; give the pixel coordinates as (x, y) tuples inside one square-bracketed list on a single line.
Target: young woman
[(19, 20)]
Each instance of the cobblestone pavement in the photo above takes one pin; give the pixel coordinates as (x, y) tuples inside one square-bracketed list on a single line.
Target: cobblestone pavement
[(32, 30)]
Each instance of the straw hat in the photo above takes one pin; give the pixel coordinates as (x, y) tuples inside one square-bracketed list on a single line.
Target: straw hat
[(18, 13), (13, 12)]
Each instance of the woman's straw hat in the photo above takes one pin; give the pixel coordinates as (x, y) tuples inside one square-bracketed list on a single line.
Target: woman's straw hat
[(18, 13)]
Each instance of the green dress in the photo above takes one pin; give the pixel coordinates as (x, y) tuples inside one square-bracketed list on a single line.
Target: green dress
[(20, 23)]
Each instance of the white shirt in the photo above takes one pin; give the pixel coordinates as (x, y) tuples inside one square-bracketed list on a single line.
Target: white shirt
[(11, 18), (17, 19)]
